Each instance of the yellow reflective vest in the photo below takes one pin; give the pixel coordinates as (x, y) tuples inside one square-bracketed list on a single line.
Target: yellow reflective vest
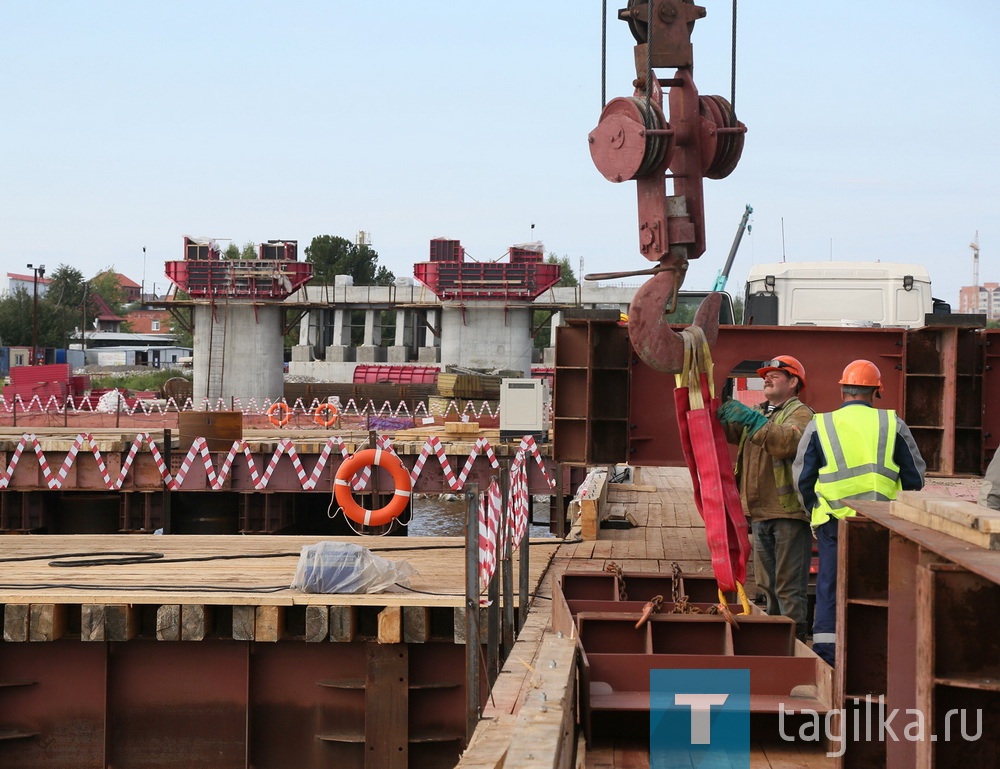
[(858, 444)]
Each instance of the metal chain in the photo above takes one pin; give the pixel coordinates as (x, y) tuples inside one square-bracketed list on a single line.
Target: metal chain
[(615, 569), (681, 602)]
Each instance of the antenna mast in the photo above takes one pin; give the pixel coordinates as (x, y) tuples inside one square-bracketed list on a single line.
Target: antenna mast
[(974, 245)]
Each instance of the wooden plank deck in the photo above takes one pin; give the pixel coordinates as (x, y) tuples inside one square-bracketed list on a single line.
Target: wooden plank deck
[(225, 586)]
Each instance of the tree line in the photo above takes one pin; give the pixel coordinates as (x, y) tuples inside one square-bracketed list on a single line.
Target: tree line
[(69, 303)]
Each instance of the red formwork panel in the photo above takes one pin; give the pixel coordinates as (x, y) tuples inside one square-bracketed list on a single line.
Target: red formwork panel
[(548, 374), (653, 437), (32, 375), (250, 279), (372, 374), (487, 280), (444, 250)]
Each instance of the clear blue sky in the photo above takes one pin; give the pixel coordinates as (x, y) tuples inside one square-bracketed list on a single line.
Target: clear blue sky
[(872, 131)]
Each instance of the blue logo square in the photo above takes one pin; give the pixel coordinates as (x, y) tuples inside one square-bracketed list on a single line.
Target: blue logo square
[(699, 719)]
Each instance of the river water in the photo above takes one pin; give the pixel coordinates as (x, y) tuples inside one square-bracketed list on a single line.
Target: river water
[(442, 517)]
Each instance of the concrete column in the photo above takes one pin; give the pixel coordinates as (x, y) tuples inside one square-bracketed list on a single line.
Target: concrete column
[(373, 328), (341, 327), (401, 316), (431, 351), (556, 321)]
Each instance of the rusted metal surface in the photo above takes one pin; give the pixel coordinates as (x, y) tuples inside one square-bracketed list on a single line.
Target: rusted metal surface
[(927, 645), (635, 138), (75, 705), (622, 640), (901, 687), (654, 340)]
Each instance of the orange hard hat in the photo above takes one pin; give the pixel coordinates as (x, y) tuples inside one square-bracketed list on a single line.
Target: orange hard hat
[(786, 363), (862, 373)]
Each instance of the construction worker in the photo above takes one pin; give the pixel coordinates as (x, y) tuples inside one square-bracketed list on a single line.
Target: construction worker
[(768, 437), (855, 452)]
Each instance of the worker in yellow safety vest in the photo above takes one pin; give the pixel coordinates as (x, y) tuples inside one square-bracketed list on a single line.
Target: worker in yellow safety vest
[(855, 452)]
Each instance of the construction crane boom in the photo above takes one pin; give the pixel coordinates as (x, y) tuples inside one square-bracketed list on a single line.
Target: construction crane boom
[(723, 276)]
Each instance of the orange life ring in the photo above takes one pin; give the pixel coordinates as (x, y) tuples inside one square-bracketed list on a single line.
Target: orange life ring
[(273, 414), (325, 415), (400, 478)]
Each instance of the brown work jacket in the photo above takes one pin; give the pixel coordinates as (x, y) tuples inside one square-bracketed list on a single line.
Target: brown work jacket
[(755, 462)]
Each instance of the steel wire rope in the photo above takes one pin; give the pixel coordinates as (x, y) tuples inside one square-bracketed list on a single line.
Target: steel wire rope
[(732, 101), (604, 53)]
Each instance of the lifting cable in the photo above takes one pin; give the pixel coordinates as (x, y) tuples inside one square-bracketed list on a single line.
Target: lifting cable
[(732, 100)]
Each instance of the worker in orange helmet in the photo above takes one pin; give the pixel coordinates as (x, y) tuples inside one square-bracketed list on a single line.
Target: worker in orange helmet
[(855, 452), (768, 437)]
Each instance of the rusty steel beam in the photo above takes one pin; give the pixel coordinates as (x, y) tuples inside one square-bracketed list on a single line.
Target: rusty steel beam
[(74, 704)]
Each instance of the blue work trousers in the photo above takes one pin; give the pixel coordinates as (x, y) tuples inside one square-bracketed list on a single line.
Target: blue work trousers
[(782, 550), (825, 619)]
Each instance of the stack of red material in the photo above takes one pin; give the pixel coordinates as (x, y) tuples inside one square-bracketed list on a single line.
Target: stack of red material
[(369, 374), (53, 380)]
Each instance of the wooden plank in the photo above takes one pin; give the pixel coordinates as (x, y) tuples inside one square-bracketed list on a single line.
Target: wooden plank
[(488, 747), (48, 621), (121, 622), (958, 510), (387, 707), (546, 736), (416, 624), (244, 623), (16, 621), (269, 625), (390, 625), (108, 622), (168, 622), (459, 626), (317, 623), (343, 623), (960, 531), (196, 620), (92, 622)]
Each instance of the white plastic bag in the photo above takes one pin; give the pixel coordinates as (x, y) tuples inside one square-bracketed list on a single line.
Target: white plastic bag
[(110, 402), (343, 567)]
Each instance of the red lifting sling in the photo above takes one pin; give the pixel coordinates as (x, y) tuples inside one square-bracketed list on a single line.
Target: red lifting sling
[(707, 456)]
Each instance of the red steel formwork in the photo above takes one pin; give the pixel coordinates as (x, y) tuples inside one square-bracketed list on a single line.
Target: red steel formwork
[(522, 278), (939, 378), (203, 274), (617, 655), (371, 374), (217, 702)]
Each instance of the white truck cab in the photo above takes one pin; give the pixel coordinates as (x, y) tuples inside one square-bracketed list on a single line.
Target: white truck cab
[(877, 294)]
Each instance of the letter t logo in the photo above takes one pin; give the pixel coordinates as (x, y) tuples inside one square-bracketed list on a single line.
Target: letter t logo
[(701, 707)]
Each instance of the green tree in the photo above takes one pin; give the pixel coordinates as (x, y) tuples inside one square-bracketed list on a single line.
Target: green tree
[(233, 252), (16, 318), (105, 284), (66, 287), (567, 276), (332, 255)]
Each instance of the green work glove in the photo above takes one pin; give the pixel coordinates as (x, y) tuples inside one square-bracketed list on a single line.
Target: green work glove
[(733, 412)]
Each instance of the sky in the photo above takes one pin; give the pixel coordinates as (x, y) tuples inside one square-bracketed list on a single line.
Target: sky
[(129, 125)]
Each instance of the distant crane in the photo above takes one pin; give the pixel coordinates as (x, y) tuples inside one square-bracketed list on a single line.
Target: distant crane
[(723, 276), (974, 245)]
